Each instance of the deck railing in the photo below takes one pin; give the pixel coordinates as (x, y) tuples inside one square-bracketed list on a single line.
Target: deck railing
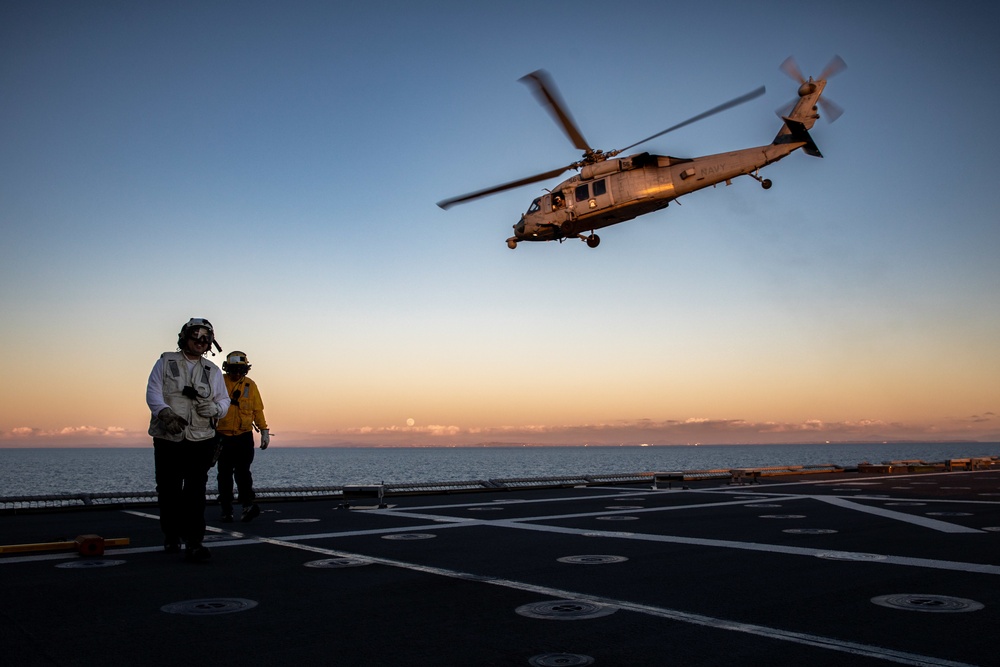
[(17, 504)]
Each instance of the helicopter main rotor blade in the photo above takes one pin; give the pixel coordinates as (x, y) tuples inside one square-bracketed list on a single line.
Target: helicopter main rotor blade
[(545, 91), (722, 107), (448, 203)]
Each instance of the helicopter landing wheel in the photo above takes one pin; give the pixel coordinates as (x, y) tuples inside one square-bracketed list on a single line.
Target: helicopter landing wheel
[(593, 241), (511, 243), (766, 184)]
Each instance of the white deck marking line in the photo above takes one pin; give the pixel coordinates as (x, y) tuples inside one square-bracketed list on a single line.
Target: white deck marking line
[(763, 496), (507, 503), (923, 521), (955, 566), (816, 641), (314, 536), (778, 497), (603, 512), (524, 524), (842, 501), (384, 531), (847, 482)]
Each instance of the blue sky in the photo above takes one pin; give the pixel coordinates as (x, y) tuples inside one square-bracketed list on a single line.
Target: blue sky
[(275, 167)]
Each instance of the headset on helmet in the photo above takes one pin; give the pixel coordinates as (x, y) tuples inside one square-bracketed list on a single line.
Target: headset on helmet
[(197, 323), (236, 361)]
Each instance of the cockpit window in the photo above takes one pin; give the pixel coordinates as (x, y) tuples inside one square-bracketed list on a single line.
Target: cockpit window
[(536, 206)]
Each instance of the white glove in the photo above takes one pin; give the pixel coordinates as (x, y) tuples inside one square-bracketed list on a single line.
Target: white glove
[(207, 408), (265, 438)]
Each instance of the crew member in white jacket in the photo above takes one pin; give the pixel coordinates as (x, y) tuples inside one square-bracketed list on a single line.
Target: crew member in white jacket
[(186, 396)]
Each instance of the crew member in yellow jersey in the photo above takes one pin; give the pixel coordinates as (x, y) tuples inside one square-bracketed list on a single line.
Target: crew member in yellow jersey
[(246, 413)]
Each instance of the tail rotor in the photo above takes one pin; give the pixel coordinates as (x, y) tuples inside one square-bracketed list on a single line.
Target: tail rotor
[(791, 68), (831, 110), (833, 68)]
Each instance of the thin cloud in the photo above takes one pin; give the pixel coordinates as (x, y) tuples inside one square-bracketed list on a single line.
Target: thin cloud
[(66, 432), (666, 432), (703, 430)]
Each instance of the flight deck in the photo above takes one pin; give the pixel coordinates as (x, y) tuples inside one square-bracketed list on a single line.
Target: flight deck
[(876, 567)]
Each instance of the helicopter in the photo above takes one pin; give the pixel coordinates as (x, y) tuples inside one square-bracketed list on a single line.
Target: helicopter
[(609, 189)]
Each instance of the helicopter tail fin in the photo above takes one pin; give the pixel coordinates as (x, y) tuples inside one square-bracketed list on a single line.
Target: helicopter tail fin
[(797, 133)]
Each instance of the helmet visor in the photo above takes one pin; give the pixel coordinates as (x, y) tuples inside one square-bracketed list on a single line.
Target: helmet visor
[(200, 335)]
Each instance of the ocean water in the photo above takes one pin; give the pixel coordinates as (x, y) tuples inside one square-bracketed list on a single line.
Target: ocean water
[(107, 470)]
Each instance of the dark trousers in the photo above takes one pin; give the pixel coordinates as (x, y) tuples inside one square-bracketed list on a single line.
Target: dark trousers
[(234, 462), (181, 477)]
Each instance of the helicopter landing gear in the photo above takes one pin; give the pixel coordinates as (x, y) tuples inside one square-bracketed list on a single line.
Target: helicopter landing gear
[(512, 243), (764, 182), (592, 241)]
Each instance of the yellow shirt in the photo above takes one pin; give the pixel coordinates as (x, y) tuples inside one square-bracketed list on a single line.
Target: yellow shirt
[(246, 409)]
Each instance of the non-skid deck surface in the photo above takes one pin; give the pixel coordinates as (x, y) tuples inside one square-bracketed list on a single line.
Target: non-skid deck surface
[(833, 569)]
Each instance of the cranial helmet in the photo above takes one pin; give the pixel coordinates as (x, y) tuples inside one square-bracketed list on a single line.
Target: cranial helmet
[(236, 362), (192, 327)]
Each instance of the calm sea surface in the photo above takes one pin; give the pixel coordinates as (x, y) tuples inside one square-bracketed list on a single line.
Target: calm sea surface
[(103, 470)]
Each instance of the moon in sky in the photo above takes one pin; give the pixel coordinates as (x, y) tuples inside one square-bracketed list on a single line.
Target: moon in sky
[(410, 422)]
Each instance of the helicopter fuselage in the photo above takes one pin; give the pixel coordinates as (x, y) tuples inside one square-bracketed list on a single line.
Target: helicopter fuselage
[(620, 189), (609, 189)]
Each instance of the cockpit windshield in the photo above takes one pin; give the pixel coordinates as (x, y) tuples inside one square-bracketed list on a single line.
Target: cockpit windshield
[(536, 206)]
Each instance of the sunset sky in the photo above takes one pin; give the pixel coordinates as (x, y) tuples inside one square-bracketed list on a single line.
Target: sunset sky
[(274, 167)]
